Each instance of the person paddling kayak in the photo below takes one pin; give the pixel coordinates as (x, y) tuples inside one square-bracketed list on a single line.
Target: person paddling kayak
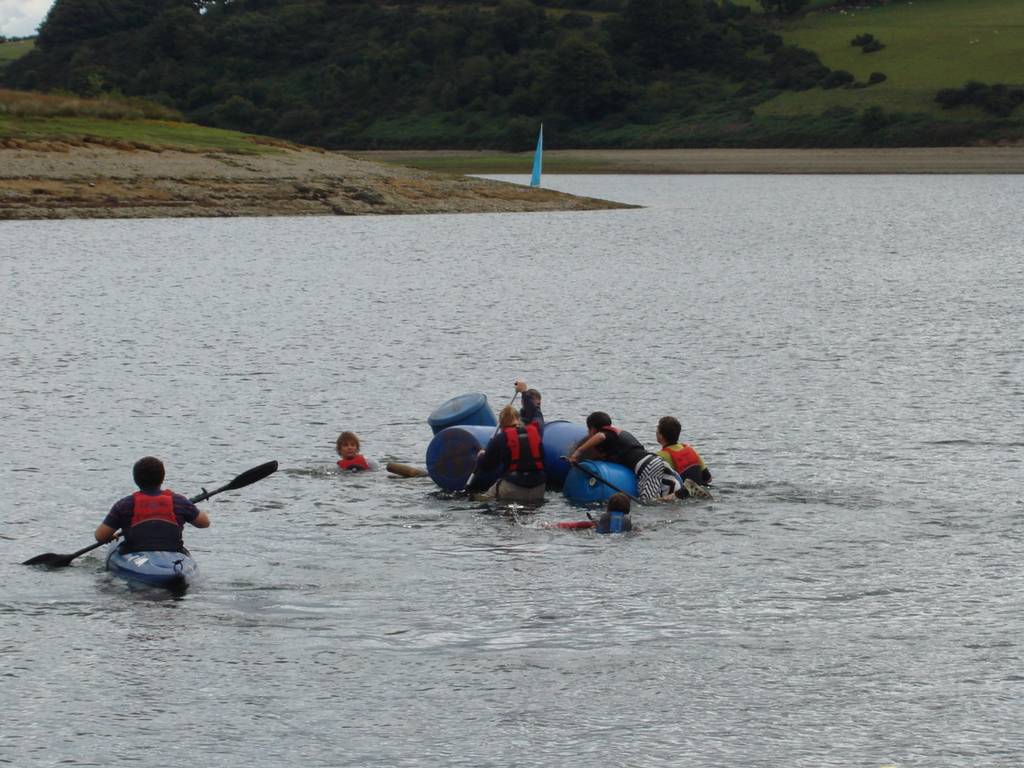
[(151, 519)]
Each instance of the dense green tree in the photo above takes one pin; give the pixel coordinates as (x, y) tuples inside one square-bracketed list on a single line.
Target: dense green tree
[(582, 80), (350, 71), (783, 7), (665, 33)]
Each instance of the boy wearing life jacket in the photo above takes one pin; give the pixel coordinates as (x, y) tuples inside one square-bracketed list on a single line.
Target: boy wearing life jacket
[(616, 517), (653, 481), (683, 459), (151, 519), (520, 450), (348, 449)]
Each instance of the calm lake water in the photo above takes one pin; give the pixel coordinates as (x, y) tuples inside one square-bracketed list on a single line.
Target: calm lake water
[(845, 352)]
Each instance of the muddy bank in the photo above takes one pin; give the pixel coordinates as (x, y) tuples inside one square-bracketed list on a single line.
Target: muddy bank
[(59, 181)]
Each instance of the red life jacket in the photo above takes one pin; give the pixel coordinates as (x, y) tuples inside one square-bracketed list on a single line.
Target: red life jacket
[(154, 525), (356, 462), (524, 446), (146, 507), (682, 457)]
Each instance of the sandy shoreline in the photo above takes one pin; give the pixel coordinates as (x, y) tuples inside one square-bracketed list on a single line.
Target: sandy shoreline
[(941, 160), (61, 181)]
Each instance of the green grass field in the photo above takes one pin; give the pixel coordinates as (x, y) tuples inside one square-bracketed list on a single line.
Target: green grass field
[(159, 134), (11, 51), (930, 44), (34, 116)]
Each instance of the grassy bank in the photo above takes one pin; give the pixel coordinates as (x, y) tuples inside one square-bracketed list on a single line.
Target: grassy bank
[(126, 123)]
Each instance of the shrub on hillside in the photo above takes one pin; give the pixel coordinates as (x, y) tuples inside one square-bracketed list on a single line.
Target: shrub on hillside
[(1000, 100), (836, 79), (876, 77), (867, 42), (874, 119)]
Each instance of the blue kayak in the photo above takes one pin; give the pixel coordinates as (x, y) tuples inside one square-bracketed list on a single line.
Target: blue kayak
[(171, 570)]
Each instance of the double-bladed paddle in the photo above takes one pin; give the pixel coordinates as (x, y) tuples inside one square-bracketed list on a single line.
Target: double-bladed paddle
[(248, 477)]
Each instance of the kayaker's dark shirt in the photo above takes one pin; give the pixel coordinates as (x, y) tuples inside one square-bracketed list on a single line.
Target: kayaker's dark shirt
[(120, 515)]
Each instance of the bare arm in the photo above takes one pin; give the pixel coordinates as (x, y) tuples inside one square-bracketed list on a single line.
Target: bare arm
[(591, 442), (202, 520), (105, 533)]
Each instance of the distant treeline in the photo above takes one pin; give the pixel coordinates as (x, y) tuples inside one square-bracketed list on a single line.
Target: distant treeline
[(364, 74)]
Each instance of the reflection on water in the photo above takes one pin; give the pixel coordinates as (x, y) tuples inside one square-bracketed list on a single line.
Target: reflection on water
[(841, 351)]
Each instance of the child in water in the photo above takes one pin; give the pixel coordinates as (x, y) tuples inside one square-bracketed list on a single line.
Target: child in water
[(616, 517), (348, 449)]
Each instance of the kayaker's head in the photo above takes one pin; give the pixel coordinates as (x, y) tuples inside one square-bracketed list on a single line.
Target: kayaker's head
[(148, 473), (616, 517), (597, 421), (668, 430), (348, 445), (508, 417)]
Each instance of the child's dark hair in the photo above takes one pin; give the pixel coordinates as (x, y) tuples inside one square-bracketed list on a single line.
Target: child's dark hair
[(347, 437), (148, 472), (618, 502), (598, 420), (669, 428)]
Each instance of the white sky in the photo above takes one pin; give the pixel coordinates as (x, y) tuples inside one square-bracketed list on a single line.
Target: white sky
[(19, 18)]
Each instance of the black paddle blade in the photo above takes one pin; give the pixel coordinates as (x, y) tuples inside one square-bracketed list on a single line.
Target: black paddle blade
[(50, 560), (250, 476)]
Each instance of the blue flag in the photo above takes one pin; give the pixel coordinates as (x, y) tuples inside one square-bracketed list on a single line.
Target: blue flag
[(535, 179)]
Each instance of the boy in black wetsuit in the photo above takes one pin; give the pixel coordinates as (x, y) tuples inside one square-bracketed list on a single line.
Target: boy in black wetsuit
[(653, 478)]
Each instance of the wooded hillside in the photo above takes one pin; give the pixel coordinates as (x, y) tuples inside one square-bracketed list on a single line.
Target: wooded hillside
[(371, 74)]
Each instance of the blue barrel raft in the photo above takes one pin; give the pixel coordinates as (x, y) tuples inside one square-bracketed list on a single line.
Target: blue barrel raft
[(471, 409), (560, 438), (581, 488), (452, 452)]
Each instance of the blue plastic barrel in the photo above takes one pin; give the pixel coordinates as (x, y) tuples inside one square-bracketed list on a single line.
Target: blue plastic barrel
[(465, 409), (560, 438), (581, 488), (451, 455)]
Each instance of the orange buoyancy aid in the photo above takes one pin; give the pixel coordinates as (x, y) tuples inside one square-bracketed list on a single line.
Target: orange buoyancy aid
[(681, 457), (154, 525), (524, 448), (356, 462)]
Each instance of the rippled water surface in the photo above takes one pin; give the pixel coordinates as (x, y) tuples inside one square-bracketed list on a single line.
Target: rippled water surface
[(846, 353)]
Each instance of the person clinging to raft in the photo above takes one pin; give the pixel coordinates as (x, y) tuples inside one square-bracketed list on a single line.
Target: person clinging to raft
[(654, 481), (348, 449), (681, 457), (151, 519)]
